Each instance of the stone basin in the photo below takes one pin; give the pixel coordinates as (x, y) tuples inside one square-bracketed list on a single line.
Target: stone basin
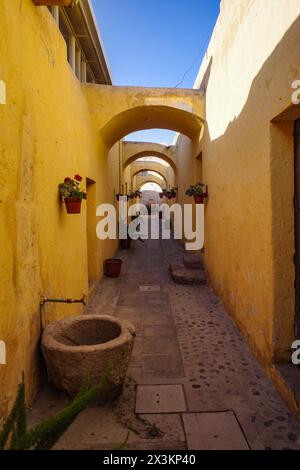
[(76, 346)]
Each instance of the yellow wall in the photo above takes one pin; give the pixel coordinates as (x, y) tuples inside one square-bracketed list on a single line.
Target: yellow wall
[(46, 135), (52, 127)]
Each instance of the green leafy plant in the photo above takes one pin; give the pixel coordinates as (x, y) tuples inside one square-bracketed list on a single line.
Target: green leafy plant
[(131, 195), (70, 188), (123, 444), (134, 194), (198, 189), (15, 435)]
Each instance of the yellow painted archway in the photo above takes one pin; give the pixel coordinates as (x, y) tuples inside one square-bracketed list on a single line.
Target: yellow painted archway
[(119, 111), (132, 151)]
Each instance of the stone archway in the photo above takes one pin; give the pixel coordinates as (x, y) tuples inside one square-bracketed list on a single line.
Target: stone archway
[(132, 151), (141, 180), (119, 111)]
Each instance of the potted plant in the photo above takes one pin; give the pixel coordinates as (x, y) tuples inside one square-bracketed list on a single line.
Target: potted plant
[(138, 194), (125, 243), (198, 191), (173, 191), (161, 195), (71, 194)]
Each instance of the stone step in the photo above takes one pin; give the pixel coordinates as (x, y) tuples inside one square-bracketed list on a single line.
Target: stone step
[(182, 275), (194, 260)]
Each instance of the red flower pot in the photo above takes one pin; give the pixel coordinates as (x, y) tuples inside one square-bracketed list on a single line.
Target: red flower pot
[(199, 199), (113, 267), (73, 205), (125, 243)]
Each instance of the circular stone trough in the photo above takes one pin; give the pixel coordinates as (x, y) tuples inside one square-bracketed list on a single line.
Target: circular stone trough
[(88, 344)]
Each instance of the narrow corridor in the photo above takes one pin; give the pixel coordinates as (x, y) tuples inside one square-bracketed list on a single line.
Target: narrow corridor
[(184, 338)]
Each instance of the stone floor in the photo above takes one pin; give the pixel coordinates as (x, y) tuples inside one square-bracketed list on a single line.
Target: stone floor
[(184, 338)]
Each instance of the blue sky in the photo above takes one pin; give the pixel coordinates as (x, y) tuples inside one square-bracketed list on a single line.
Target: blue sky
[(154, 42)]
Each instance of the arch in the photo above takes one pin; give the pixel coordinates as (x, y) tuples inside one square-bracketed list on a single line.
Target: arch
[(150, 117), (148, 181), (150, 166), (164, 157), (119, 111), (132, 151), (144, 184), (140, 171)]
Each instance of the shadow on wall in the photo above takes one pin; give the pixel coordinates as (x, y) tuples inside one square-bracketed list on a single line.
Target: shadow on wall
[(250, 215)]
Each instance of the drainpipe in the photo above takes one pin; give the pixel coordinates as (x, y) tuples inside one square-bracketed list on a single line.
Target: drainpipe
[(55, 14), (65, 301), (72, 52), (45, 321)]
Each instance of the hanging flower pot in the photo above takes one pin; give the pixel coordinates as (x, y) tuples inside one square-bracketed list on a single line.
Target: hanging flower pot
[(112, 267), (73, 205), (199, 199), (138, 194), (161, 195), (198, 192), (71, 194)]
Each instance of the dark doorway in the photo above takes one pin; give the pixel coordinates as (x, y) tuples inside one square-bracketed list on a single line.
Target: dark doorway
[(297, 224)]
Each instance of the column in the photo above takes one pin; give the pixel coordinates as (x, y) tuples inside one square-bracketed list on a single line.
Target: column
[(55, 14), (72, 52), (78, 64), (83, 71)]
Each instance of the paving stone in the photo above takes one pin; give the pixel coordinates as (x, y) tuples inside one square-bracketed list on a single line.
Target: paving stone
[(194, 261), (159, 346), (202, 349), (166, 331), (130, 300), (181, 275), (156, 320), (162, 366), (160, 399), (213, 431), (153, 288), (159, 299)]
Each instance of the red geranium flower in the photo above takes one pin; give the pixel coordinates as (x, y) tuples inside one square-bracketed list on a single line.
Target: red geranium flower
[(78, 177), (67, 180)]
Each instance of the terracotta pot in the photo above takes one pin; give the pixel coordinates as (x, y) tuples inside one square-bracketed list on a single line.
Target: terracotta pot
[(73, 205), (61, 3), (199, 199), (125, 243), (113, 267)]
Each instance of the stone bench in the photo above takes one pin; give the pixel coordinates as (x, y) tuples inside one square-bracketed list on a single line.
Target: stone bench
[(182, 275), (194, 260)]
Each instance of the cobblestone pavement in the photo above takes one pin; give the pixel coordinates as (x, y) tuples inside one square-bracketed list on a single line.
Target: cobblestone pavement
[(184, 336)]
